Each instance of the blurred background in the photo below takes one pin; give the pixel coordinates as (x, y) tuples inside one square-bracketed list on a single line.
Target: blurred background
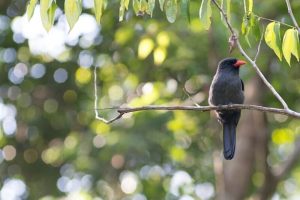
[(52, 147)]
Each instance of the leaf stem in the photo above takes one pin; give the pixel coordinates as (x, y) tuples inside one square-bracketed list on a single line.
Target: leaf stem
[(272, 20)]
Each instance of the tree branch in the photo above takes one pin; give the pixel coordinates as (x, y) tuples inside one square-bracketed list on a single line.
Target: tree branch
[(125, 110), (290, 11), (259, 45)]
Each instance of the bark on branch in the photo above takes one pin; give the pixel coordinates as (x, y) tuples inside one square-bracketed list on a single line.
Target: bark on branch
[(125, 110)]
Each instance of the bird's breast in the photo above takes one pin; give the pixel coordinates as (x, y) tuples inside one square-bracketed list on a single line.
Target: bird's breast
[(226, 90)]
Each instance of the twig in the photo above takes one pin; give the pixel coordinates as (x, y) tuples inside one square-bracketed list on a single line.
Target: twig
[(191, 98), (125, 110), (266, 82), (259, 45), (272, 20), (290, 11), (96, 99)]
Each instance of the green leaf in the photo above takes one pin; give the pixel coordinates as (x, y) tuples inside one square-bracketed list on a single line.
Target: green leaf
[(30, 8), (48, 8), (151, 5), (99, 5), (185, 9), (228, 9), (126, 3), (122, 10), (290, 45), (171, 10), (161, 4), (73, 10), (250, 6), (205, 13), (272, 38), (136, 6)]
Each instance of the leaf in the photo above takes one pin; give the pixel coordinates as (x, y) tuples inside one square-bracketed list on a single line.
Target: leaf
[(205, 13), (290, 45), (151, 5), (136, 6), (161, 4), (228, 10), (99, 5), (185, 9), (48, 8), (126, 4), (272, 38), (121, 10), (250, 6), (73, 10), (30, 8), (171, 10)]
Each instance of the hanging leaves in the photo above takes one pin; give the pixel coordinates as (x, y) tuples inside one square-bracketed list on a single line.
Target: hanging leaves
[(30, 8), (205, 13), (73, 10), (185, 9), (272, 38), (171, 10), (290, 45), (48, 8)]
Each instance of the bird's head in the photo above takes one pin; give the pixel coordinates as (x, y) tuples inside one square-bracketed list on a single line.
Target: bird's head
[(231, 64)]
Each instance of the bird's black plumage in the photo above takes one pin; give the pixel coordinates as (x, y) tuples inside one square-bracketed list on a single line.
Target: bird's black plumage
[(227, 88)]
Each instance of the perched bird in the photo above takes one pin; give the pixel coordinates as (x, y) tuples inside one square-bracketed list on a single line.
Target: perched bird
[(227, 88)]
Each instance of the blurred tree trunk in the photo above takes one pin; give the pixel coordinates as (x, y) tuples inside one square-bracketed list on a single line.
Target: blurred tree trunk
[(251, 150)]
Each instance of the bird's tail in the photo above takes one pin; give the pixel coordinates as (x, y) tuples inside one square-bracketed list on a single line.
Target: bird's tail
[(229, 132)]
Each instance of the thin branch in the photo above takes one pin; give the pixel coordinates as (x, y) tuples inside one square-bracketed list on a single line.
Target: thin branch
[(259, 45), (125, 110), (272, 20), (290, 11), (266, 82), (96, 99)]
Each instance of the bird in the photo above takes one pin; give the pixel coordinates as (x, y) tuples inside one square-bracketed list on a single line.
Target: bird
[(227, 88)]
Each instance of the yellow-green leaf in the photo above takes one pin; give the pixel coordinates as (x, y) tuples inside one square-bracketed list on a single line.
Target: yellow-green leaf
[(126, 3), (48, 8), (250, 6), (73, 10), (136, 7), (205, 13), (30, 8), (228, 10), (161, 4), (171, 10), (121, 10), (290, 45), (185, 9), (151, 5), (272, 38), (99, 5)]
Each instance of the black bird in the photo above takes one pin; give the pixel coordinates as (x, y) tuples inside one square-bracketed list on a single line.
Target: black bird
[(227, 88)]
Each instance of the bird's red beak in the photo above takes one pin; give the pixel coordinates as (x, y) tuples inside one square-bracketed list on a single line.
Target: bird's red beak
[(239, 63)]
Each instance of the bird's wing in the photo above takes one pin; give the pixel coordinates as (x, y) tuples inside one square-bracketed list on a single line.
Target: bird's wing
[(242, 84)]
